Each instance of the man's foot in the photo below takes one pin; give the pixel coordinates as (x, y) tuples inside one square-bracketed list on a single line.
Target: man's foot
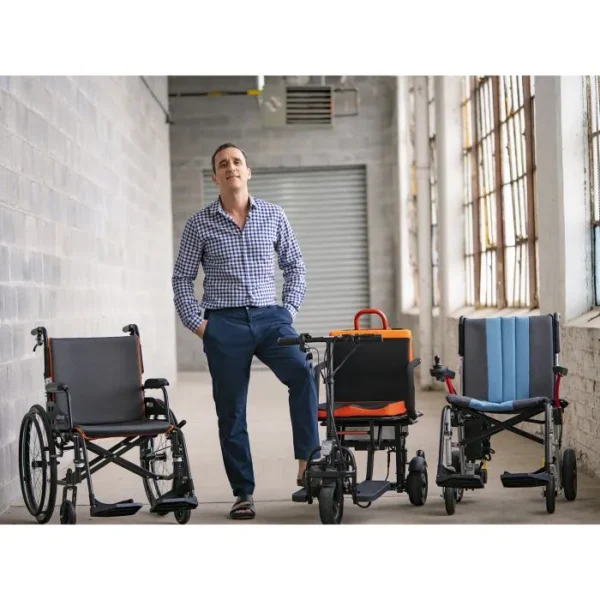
[(243, 508), (301, 469)]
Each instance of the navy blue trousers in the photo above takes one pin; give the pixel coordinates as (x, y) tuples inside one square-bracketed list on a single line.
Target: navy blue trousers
[(231, 338)]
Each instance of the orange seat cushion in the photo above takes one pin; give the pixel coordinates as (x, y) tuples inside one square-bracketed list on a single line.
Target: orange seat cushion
[(364, 409)]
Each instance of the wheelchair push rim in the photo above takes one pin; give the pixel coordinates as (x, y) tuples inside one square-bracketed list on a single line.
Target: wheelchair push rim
[(37, 464)]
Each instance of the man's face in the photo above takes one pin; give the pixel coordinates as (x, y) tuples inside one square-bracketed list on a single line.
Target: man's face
[(232, 173)]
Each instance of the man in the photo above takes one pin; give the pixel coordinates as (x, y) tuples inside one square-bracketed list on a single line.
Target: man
[(235, 239)]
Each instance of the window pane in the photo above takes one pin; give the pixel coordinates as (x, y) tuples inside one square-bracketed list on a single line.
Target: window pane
[(593, 110), (515, 146)]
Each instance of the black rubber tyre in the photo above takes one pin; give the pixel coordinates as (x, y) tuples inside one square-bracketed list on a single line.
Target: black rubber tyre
[(156, 488), (37, 423), (331, 504), (183, 516), (456, 464), (569, 474), (417, 485), (68, 515), (450, 500), (551, 494)]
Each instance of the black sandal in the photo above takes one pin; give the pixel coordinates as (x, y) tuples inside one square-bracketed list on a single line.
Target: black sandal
[(243, 508)]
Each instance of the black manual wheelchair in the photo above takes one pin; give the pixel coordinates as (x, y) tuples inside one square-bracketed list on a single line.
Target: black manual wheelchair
[(94, 391), (369, 406), (510, 367)]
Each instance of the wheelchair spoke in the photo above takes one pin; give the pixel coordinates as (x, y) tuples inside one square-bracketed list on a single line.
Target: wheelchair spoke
[(157, 457)]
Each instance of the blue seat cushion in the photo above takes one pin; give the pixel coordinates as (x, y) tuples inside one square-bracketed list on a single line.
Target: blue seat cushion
[(509, 406)]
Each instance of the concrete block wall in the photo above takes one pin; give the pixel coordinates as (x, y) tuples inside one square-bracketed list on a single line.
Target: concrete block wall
[(85, 229), (203, 123)]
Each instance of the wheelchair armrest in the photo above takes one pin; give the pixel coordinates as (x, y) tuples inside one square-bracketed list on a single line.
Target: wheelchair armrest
[(155, 384), (54, 387), (414, 364), (151, 403)]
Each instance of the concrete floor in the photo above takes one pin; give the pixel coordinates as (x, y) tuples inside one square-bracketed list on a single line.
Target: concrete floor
[(275, 470)]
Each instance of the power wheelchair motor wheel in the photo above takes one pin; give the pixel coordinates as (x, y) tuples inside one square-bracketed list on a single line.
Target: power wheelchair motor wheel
[(38, 464)]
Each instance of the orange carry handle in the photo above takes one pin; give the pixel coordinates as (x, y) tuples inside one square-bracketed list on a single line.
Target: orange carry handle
[(372, 311)]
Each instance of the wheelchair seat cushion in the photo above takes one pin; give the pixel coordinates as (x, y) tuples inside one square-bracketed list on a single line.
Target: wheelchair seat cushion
[(507, 361), (496, 407), (126, 429), (364, 409)]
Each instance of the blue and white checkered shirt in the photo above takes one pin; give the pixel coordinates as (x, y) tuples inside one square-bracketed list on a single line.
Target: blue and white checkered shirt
[(238, 263)]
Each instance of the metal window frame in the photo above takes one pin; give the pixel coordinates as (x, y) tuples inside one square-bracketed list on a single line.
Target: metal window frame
[(473, 152), (593, 138), (433, 189)]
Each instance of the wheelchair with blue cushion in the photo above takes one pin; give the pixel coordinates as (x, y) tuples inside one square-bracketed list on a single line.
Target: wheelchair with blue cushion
[(94, 391), (370, 405), (509, 367)]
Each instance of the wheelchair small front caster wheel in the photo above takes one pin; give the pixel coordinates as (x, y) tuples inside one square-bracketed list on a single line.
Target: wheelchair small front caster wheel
[(416, 485), (183, 516), (450, 500), (331, 504), (68, 515)]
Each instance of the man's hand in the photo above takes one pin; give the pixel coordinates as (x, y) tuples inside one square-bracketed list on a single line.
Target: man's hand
[(200, 331)]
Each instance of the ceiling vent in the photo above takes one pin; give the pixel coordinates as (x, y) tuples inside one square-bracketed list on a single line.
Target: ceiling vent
[(303, 106)]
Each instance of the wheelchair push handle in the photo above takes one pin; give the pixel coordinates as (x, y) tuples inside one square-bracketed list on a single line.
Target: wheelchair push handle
[(370, 311), (305, 338)]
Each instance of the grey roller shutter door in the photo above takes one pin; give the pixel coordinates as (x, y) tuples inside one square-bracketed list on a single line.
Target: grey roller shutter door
[(327, 209)]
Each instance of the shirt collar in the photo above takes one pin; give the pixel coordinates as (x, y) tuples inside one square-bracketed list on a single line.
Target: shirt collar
[(219, 207)]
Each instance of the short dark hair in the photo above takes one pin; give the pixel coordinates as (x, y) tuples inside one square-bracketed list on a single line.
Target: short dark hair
[(223, 147)]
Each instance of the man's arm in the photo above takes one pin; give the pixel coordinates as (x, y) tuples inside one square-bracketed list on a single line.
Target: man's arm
[(292, 264), (184, 274)]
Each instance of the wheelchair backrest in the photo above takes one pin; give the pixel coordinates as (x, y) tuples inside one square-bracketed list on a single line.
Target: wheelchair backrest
[(375, 371), (508, 358), (104, 376)]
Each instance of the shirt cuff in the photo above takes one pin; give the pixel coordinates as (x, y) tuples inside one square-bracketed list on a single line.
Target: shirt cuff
[(291, 310), (194, 323)]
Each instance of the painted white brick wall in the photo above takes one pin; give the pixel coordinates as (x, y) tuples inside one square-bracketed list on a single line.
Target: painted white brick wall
[(85, 229)]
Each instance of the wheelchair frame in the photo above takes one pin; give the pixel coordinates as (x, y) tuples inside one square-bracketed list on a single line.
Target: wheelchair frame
[(61, 436), (457, 460), (334, 475)]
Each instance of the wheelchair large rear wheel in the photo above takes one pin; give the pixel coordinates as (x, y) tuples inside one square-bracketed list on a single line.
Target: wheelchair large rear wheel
[(569, 474), (37, 464), (551, 494), (157, 456)]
